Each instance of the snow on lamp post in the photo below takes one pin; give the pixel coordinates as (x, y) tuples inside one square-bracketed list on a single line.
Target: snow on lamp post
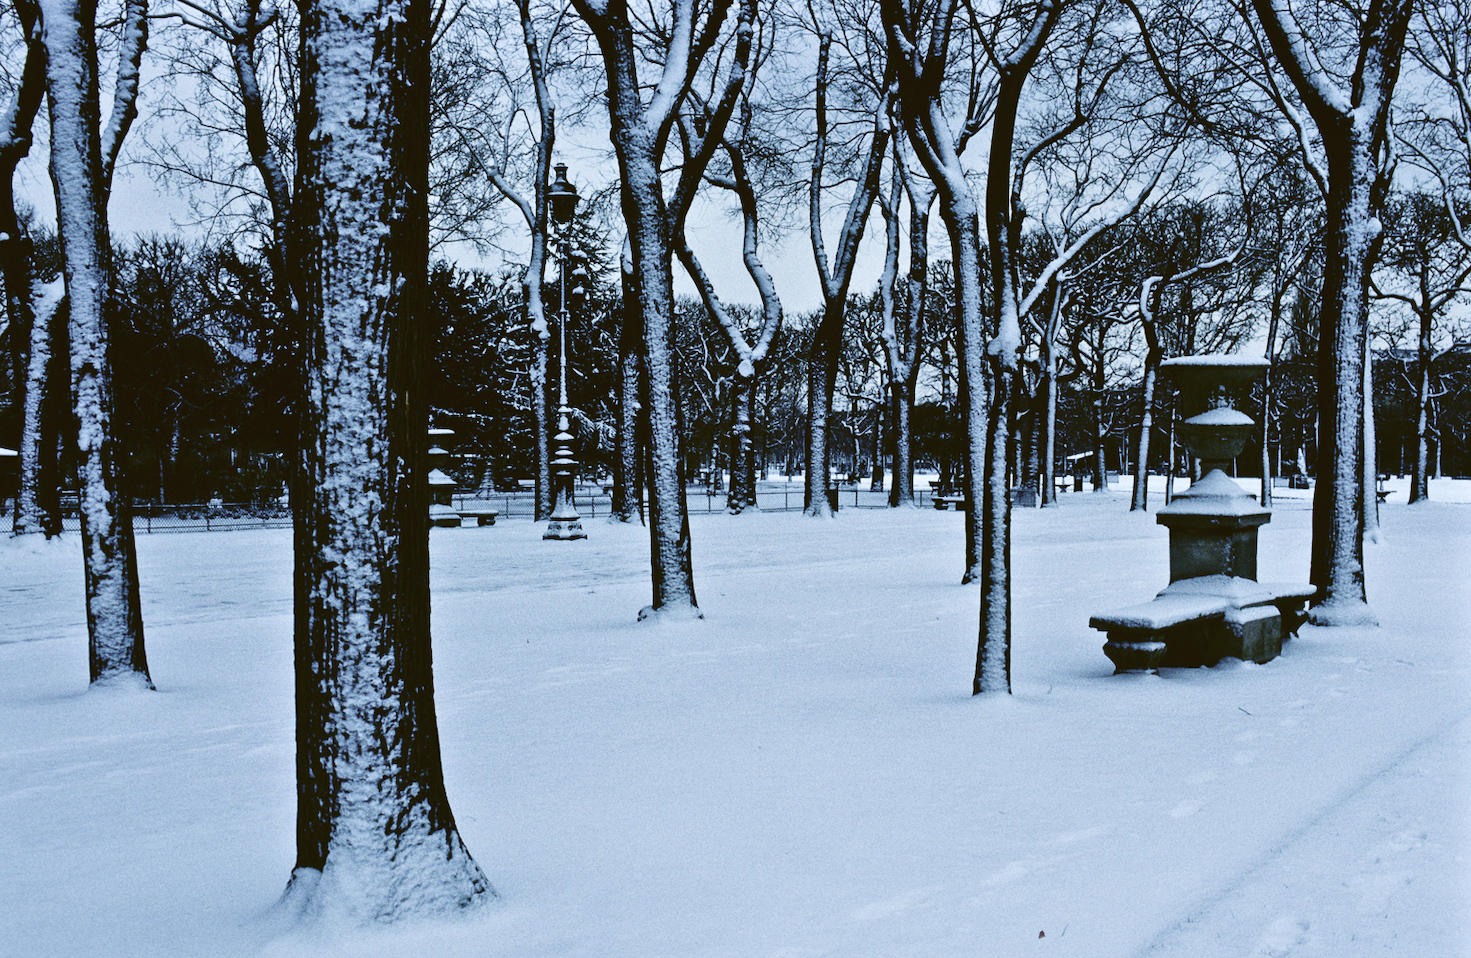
[(565, 522)]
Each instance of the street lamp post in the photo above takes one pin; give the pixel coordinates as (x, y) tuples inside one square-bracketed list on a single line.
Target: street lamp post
[(565, 522)]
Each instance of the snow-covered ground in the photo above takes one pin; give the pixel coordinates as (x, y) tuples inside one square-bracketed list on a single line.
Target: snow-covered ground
[(803, 773)]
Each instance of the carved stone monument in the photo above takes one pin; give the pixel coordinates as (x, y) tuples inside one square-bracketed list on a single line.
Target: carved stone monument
[(1214, 607)]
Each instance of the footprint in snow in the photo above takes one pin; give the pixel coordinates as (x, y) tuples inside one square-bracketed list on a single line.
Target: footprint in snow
[(1281, 938)]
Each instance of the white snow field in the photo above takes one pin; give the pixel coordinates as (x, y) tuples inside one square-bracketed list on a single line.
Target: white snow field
[(804, 773)]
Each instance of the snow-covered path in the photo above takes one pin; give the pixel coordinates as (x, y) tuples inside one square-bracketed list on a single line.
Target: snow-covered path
[(803, 773)]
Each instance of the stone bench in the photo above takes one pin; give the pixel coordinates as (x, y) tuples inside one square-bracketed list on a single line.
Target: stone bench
[(1199, 621), (482, 517), (945, 502)]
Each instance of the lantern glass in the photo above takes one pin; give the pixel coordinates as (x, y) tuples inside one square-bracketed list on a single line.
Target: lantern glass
[(563, 197)]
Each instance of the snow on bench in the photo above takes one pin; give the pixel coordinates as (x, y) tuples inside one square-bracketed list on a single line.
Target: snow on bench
[(1288, 598), (1162, 613), (1200, 620)]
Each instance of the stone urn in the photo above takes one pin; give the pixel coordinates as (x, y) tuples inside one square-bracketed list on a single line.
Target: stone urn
[(1213, 524)]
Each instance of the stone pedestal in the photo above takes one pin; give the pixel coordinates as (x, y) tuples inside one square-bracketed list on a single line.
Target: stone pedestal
[(1213, 529)]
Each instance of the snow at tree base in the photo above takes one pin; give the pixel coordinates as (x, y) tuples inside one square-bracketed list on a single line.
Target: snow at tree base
[(802, 773)]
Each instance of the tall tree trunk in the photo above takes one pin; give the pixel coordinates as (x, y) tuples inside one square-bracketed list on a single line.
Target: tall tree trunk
[(673, 574), (1338, 512), (16, 124), (1140, 500), (639, 132), (993, 655), (1420, 481), (742, 497), (1368, 481), (1100, 432), (1048, 387), (822, 380), (627, 476), (901, 406), (376, 839), (540, 408), (1030, 455), (114, 611), (961, 216), (38, 506), (1338, 515), (836, 279), (902, 388), (1268, 383), (881, 443)]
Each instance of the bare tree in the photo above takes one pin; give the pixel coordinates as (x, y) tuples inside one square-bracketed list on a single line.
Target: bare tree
[(1344, 72), (835, 273), (1424, 268), (1428, 248), (751, 356), (903, 323), (47, 396), (640, 134), (1433, 131), (376, 839), (1193, 226), (83, 156), (26, 90), (28, 340), (923, 41)]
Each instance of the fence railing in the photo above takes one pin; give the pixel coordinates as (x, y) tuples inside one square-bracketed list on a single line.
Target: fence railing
[(591, 501)]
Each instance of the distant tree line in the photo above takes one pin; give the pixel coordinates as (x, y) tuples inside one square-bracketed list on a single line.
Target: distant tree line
[(204, 390)]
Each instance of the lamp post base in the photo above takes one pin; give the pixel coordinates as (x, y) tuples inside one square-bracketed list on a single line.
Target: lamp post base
[(565, 522), (564, 529)]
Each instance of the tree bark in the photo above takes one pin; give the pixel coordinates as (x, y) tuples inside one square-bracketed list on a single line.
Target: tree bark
[(81, 174), (639, 132), (1048, 388), (1425, 355), (1369, 478), (16, 124), (376, 839), (1338, 513), (742, 496), (628, 496), (673, 576), (1140, 500), (38, 507)]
